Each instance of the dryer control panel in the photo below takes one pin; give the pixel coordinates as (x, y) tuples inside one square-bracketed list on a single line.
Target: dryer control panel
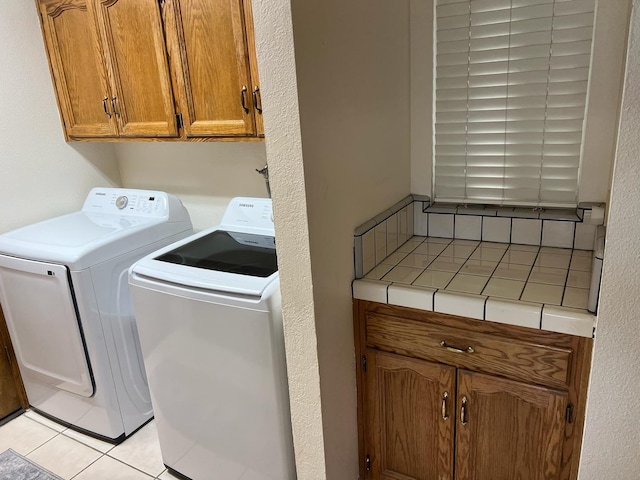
[(132, 202)]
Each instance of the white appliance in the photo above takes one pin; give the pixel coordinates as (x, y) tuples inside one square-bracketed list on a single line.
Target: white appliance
[(210, 324), (64, 291)]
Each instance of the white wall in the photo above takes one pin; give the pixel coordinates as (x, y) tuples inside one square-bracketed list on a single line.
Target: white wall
[(605, 88), (40, 175), (421, 96), (612, 435), (205, 176), (351, 161)]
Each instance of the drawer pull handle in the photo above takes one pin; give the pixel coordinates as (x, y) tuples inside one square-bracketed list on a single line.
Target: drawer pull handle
[(463, 412), (456, 349), (445, 415)]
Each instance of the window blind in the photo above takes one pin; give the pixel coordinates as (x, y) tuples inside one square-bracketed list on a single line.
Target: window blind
[(511, 86)]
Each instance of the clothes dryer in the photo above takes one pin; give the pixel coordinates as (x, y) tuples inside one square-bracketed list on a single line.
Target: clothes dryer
[(65, 296)]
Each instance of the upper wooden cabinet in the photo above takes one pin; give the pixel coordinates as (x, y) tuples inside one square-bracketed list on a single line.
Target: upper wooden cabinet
[(215, 68), (77, 65), (133, 36), (136, 69)]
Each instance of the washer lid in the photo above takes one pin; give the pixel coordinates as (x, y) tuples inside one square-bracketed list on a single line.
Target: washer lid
[(79, 239), (231, 252), (236, 262)]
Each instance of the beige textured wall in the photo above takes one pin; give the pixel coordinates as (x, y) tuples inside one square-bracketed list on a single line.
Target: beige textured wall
[(276, 59), (607, 70), (421, 96), (205, 176), (612, 435), (348, 95), (40, 175)]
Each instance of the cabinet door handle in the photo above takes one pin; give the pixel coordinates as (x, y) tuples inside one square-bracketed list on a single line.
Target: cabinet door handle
[(463, 412), (6, 351), (243, 99), (257, 99), (445, 397), (113, 106), (104, 105), (451, 348)]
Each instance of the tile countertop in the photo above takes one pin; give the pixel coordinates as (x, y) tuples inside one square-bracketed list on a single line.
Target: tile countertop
[(537, 287)]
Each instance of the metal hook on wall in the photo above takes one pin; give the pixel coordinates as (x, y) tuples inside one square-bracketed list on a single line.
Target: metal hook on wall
[(265, 173)]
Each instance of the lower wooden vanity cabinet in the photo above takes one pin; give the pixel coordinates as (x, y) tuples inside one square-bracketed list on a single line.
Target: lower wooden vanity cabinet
[(13, 398), (443, 397)]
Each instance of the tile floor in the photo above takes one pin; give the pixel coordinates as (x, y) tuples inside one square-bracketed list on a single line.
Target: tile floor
[(553, 276), (70, 454)]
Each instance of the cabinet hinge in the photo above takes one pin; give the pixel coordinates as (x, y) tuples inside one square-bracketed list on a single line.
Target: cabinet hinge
[(367, 463), (569, 414), (364, 363), (179, 121)]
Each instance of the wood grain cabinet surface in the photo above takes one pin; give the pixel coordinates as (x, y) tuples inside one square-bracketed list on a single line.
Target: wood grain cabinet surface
[(443, 397), (13, 398), (153, 69)]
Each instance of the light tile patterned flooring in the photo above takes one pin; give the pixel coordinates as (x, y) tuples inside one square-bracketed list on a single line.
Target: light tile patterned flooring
[(70, 454)]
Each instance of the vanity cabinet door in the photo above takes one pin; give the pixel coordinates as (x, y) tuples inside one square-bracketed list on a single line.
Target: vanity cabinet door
[(78, 69), (133, 37), (409, 418), (216, 94), (508, 430)]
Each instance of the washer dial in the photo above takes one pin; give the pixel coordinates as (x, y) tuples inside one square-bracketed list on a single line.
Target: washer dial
[(122, 202)]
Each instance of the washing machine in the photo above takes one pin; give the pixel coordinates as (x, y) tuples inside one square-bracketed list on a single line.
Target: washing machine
[(210, 324), (65, 296)]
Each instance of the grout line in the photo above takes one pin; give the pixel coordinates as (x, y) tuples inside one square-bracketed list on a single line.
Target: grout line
[(529, 276), (136, 468), (45, 442), (541, 232), (88, 465), (510, 230), (566, 279)]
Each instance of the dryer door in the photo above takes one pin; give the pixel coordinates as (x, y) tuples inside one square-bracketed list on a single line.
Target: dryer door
[(45, 329)]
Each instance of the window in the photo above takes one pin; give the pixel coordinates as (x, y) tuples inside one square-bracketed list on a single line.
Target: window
[(511, 87)]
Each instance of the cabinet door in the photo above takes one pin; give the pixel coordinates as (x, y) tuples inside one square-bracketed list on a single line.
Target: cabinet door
[(256, 96), (12, 396), (409, 418), (133, 36), (77, 66), (215, 68), (508, 430)]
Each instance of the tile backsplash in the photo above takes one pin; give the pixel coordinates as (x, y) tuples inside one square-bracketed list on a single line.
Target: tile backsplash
[(379, 237)]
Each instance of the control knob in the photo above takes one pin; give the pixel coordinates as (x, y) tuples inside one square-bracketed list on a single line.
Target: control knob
[(122, 202)]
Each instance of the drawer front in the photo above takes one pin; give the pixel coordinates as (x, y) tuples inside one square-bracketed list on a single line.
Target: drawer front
[(508, 357)]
